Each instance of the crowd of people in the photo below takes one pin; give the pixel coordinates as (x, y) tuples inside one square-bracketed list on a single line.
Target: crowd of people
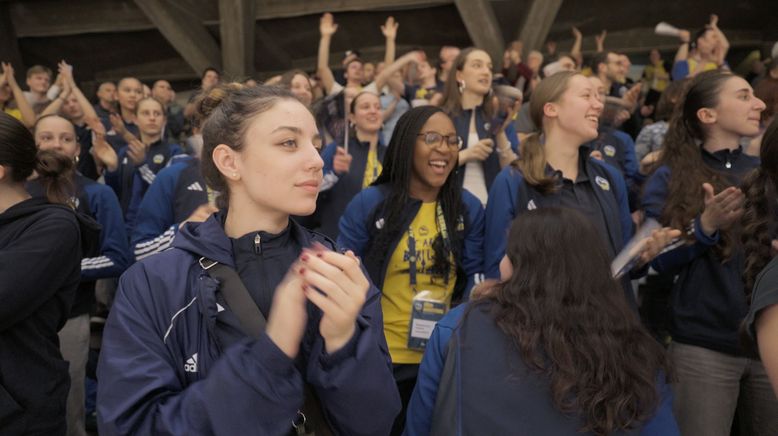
[(413, 246)]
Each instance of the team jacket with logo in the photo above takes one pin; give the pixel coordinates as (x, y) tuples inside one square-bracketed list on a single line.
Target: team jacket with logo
[(130, 182), (176, 192), (163, 370)]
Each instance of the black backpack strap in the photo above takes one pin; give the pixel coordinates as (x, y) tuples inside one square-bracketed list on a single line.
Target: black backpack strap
[(237, 297), (311, 419)]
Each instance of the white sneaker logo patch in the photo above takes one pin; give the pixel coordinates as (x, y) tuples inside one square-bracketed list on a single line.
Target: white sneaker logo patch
[(191, 364)]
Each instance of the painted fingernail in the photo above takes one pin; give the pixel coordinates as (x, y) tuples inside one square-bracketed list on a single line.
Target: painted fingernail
[(304, 258), (302, 271), (319, 254)]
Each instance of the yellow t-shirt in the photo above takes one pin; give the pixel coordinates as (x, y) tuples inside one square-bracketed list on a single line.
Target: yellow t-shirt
[(372, 168), (16, 113), (398, 293)]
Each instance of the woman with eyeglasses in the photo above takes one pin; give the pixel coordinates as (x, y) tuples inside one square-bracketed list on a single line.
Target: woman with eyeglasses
[(489, 139), (351, 167), (420, 236)]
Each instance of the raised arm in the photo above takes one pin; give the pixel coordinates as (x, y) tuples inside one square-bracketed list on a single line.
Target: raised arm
[(67, 75), (56, 104), (389, 29), (683, 50), (723, 47), (575, 51), (28, 116), (327, 28), (383, 78), (600, 40)]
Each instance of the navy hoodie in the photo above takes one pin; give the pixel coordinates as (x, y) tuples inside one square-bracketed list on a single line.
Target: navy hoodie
[(708, 301), (40, 255)]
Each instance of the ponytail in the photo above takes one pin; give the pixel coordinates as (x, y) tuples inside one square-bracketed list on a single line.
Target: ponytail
[(55, 174), (532, 165)]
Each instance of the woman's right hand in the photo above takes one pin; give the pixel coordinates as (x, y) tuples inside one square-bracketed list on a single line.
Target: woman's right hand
[(477, 152), (722, 209), (341, 163), (327, 26), (288, 316)]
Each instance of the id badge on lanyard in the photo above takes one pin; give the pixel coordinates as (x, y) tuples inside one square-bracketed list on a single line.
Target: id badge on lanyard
[(426, 311), (427, 307)]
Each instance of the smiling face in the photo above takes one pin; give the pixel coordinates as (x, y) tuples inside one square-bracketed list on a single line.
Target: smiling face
[(279, 167), (434, 162), (150, 117), (57, 134), (577, 111), (367, 116), (301, 88), (738, 111), (476, 73)]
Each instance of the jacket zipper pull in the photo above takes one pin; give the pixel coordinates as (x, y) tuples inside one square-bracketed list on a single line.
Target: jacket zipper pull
[(728, 164), (257, 246)]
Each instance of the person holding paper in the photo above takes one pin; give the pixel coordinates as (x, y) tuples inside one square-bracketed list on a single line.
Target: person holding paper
[(551, 350), (419, 234), (555, 169), (696, 189)]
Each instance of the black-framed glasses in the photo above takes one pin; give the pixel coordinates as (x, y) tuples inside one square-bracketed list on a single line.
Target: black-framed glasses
[(432, 139)]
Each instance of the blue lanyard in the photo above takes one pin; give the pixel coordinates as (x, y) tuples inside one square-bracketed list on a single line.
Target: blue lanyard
[(413, 256)]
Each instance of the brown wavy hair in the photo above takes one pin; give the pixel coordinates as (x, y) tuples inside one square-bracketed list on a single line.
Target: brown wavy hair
[(532, 162), (682, 155), (572, 324), (761, 192)]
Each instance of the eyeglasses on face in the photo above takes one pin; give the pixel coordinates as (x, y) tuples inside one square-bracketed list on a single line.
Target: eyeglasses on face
[(434, 138)]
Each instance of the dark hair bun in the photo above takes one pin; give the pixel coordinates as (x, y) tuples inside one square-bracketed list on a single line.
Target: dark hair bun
[(55, 172)]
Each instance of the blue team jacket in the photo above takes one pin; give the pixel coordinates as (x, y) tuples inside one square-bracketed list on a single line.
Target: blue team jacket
[(162, 370), (510, 196), (515, 405), (175, 193), (483, 126), (365, 213)]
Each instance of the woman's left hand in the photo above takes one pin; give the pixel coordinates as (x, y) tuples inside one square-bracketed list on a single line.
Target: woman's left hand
[(651, 246), (335, 284)]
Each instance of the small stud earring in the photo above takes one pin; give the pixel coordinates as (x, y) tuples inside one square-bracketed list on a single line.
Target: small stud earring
[(234, 175)]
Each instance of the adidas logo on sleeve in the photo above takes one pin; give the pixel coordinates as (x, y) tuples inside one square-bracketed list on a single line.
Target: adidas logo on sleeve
[(191, 364), (195, 187)]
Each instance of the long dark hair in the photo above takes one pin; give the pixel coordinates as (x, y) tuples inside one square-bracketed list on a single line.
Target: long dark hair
[(396, 173), (759, 224), (682, 155), (19, 153), (571, 323)]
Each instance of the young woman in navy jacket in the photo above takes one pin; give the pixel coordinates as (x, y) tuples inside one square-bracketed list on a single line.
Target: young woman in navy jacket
[(99, 202), (555, 170), (696, 188), (40, 256), (489, 140), (551, 350), (416, 230), (175, 357)]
